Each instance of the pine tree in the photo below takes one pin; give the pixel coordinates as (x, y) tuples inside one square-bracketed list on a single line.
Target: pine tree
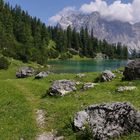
[(75, 40), (26, 38), (69, 37)]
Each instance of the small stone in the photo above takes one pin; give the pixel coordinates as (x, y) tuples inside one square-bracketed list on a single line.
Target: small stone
[(80, 75), (49, 136), (59, 138), (78, 83), (126, 88), (89, 85), (46, 136), (42, 74), (40, 118)]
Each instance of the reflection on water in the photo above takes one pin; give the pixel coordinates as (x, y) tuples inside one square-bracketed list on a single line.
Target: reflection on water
[(72, 66)]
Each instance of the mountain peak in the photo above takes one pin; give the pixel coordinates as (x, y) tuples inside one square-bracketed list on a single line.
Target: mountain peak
[(113, 31)]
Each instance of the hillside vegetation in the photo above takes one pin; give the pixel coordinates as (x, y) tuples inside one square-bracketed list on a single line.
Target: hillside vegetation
[(26, 38), (20, 98)]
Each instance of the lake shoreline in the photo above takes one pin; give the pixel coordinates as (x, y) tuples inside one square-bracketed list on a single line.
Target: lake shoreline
[(84, 66)]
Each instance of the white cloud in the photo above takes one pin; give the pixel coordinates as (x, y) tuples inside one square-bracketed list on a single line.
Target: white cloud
[(94, 6), (57, 17), (126, 12), (115, 11), (136, 10)]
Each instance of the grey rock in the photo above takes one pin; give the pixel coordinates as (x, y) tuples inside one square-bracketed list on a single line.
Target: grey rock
[(126, 88), (49, 136), (25, 72), (42, 74), (59, 138), (41, 118), (137, 126), (89, 85), (62, 87), (109, 120), (132, 70), (80, 75), (80, 119), (107, 75), (46, 136)]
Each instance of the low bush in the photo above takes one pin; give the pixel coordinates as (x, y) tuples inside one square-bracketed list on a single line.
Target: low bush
[(4, 63), (65, 56)]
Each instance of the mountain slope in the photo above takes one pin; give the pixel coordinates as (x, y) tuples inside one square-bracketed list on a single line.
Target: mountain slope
[(112, 31)]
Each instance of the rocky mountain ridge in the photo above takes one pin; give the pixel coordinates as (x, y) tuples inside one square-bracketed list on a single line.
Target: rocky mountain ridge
[(113, 31)]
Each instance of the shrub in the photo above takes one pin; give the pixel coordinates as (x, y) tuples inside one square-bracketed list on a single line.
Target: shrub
[(4, 63), (65, 56), (73, 52), (52, 53), (85, 134)]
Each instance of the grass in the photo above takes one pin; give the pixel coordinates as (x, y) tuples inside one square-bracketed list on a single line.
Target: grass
[(16, 118), (78, 58), (19, 98)]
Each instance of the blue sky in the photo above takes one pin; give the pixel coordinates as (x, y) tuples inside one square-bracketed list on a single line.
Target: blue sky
[(44, 9)]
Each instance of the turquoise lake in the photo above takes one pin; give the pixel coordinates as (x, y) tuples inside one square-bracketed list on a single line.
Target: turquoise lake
[(72, 66)]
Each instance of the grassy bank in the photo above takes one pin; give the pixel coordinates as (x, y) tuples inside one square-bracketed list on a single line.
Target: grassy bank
[(75, 57), (20, 98)]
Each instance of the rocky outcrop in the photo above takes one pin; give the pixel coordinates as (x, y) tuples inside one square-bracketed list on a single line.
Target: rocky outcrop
[(132, 70), (25, 72), (62, 87), (106, 75), (109, 120), (126, 88), (42, 74)]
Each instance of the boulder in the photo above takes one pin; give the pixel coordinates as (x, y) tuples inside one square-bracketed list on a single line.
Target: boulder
[(132, 70), (62, 87), (25, 72), (107, 75), (109, 120), (42, 74), (126, 88)]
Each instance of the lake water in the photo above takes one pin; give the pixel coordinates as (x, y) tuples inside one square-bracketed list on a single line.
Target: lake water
[(72, 66)]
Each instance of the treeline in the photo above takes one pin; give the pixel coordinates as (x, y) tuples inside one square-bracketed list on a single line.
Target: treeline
[(26, 38), (85, 44)]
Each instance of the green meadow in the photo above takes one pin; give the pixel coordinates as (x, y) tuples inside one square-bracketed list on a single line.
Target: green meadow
[(20, 98)]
